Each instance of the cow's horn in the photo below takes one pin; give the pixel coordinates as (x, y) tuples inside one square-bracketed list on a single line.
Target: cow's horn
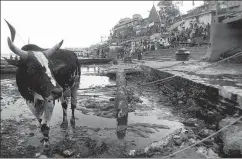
[(14, 49), (53, 49)]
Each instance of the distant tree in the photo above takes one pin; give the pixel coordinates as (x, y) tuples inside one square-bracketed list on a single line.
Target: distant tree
[(128, 32), (106, 49), (168, 11)]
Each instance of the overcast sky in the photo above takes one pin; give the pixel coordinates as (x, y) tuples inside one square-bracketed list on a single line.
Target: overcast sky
[(78, 23)]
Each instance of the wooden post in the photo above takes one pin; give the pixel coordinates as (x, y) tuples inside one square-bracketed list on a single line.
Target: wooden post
[(121, 104)]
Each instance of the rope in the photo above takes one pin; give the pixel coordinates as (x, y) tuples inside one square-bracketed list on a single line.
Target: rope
[(97, 87), (194, 70), (161, 80), (21, 39), (164, 79), (171, 65), (219, 61), (205, 138)]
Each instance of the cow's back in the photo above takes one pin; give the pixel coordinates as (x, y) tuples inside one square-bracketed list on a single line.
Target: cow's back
[(63, 76)]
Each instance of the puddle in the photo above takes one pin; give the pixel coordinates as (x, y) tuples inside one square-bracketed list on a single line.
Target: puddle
[(95, 81), (88, 79)]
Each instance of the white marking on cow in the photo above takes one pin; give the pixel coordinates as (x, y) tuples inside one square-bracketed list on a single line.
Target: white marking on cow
[(37, 96), (48, 110), (46, 145), (44, 62), (31, 106), (36, 110), (63, 100)]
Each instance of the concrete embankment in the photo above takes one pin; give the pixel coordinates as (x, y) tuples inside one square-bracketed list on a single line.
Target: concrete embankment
[(213, 95), (222, 81), (216, 100)]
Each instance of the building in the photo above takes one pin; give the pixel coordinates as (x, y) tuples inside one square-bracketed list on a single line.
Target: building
[(231, 8), (227, 34), (128, 28), (155, 21), (202, 16)]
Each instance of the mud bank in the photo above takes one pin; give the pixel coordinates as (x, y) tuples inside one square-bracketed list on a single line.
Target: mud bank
[(156, 115), (97, 132), (203, 107)]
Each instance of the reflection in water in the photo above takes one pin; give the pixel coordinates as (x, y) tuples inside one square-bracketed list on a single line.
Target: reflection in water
[(93, 81), (122, 126), (8, 76)]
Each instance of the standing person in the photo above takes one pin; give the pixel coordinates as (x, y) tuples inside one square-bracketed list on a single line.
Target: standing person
[(16, 58), (102, 54), (11, 57), (139, 53), (97, 53), (122, 54)]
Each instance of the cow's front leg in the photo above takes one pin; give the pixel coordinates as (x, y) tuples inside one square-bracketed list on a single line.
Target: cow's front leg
[(45, 124), (74, 90), (37, 108), (64, 103)]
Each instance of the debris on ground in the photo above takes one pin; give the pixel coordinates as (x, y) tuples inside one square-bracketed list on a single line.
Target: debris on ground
[(231, 137), (160, 146)]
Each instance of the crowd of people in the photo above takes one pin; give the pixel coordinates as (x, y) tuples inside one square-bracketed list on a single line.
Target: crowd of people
[(11, 57), (190, 35)]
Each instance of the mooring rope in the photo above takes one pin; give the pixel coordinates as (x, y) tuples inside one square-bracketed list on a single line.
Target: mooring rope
[(196, 70), (171, 77), (21, 38), (164, 79), (204, 138)]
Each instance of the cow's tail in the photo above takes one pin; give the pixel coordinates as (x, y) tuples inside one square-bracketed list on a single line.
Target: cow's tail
[(78, 72)]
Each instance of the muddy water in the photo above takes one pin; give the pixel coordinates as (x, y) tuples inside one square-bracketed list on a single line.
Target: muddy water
[(89, 125)]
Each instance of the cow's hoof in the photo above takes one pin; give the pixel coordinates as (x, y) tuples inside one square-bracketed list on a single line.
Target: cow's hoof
[(73, 122), (46, 147), (64, 125), (47, 152), (42, 156)]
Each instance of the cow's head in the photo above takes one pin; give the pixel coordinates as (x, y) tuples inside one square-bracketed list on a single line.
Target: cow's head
[(39, 70)]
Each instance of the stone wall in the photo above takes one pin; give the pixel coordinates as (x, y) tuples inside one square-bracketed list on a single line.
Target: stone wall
[(196, 53), (202, 101), (223, 38)]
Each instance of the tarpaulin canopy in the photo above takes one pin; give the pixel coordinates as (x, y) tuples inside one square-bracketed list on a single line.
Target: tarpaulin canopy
[(175, 25)]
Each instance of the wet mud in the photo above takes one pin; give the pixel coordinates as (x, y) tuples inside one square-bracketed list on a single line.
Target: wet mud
[(97, 132)]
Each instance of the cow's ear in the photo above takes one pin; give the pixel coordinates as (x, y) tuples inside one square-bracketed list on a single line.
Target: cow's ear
[(12, 62), (58, 65)]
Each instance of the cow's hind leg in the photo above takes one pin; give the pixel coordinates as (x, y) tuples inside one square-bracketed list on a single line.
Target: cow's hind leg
[(74, 90), (45, 124), (64, 104)]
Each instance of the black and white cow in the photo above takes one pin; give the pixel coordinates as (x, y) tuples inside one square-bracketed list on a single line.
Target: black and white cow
[(43, 76)]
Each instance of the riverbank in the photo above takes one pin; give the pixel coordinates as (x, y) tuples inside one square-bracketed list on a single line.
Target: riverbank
[(190, 102)]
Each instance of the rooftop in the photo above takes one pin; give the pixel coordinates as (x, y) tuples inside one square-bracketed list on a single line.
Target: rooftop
[(154, 16)]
